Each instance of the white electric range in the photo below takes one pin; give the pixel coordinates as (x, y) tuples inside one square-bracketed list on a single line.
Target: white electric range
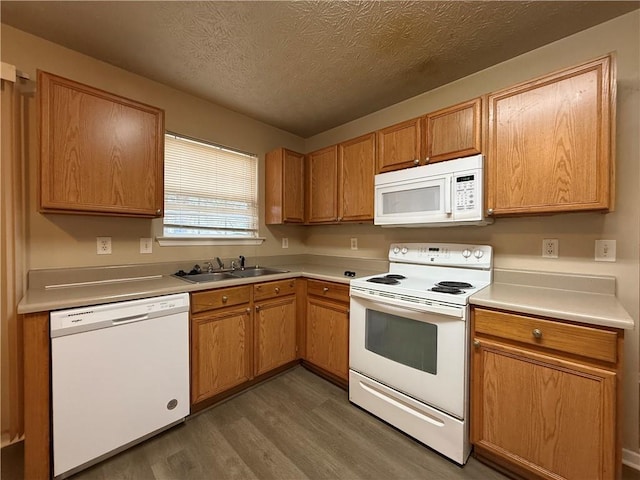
[(409, 341)]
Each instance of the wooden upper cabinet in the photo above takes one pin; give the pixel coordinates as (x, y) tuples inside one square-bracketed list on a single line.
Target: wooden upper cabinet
[(399, 146), (322, 185), (100, 153), (356, 171), (551, 142), (453, 132), (284, 187)]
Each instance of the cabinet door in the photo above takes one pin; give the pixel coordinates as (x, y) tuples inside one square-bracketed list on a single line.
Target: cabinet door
[(327, 331), (100, 153), (221, 351), (453, 132), (322, 185), (398, 146), (275, 333), (550, 143), (552, 418), (356, 170), (284, 187)]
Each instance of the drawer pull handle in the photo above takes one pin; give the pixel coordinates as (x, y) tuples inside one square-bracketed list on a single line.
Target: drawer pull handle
[(277, 289), (476, 342), (224, 299), (325, 289), (537, 333)]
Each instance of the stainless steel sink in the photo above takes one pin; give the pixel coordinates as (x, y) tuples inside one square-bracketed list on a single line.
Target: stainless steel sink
[(248, 272), (256, 272), (207, 277)]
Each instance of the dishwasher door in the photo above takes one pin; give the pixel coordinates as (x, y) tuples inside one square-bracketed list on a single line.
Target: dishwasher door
[(120, 372)]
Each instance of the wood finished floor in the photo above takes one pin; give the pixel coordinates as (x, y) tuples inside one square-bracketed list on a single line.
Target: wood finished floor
[(295, 426)]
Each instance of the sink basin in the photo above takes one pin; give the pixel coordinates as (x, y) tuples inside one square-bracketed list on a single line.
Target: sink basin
[(208, 277), (248, 272), (256, 272)]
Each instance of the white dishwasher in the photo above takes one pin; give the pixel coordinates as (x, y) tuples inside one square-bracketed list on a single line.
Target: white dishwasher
[(120, 373)]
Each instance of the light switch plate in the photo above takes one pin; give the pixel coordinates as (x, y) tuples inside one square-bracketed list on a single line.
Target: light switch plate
[(605, 251), (146, 245)]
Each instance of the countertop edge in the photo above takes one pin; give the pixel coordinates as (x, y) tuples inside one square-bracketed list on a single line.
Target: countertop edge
[(166, 285), (493, 297)]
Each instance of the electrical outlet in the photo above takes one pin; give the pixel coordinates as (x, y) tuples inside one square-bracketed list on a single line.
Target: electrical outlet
[(605, 251), (146, 245), (550, 248), (103, 245), (354, 244), (285, 242)]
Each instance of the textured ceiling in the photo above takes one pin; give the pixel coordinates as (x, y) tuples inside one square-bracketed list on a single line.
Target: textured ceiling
[(306, 66)]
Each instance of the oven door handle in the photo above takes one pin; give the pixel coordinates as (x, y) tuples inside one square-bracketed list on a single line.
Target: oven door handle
[(394, 303)]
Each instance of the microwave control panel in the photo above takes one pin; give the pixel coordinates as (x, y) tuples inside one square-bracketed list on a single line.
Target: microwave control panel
[(465, 192)]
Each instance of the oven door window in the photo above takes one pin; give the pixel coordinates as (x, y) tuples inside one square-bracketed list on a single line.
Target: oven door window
[(402, 340)]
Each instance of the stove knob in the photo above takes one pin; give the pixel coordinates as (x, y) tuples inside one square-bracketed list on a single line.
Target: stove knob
[(396, 250), (404, 250), (466, 253), (478, 254)]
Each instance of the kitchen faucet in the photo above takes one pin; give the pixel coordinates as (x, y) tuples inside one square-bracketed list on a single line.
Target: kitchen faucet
[(241, 257), (220, 263)]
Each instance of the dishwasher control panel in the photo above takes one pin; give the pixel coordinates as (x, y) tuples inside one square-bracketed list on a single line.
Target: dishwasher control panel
[(75, 320)]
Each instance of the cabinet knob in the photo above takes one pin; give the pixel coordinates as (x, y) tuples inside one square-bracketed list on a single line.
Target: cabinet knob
[(224, 299), (257, 308), (158, 211), (426, 159), (248, 310), (537, 333), (476, 342), (416, 161), (325, 289), (490, 211), (277, 289)]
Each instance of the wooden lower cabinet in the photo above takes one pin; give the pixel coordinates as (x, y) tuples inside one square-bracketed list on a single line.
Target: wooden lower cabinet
[(275, 333), (540, 412), (327, 335), (221, 351)]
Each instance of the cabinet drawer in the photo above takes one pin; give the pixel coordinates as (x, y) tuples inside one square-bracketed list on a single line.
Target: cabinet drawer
[(224, 297), (569, 338), (335, 291), (274, 289)]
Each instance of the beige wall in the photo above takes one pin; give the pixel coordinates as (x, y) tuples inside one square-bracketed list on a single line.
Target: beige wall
[(59, 240), (69, 240), (518, 241)]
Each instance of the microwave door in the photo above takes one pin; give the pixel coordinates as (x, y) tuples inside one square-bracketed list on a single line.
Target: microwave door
[(420, 200)]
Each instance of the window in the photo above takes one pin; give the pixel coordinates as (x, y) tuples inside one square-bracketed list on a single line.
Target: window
[(209, 191)]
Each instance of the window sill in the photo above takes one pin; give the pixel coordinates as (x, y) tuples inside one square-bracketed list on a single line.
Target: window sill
[(207, 241)]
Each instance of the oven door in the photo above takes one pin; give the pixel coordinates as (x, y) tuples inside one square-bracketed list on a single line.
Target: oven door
[(422, 354), (414, 200)]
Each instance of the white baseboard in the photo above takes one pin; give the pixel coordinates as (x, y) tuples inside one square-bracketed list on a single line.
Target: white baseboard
[(631, 459)]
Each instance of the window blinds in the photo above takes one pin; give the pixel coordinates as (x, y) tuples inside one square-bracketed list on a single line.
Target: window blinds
[(209, 190)]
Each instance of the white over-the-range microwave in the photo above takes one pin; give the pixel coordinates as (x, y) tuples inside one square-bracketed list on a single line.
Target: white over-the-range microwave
[(443, 194)]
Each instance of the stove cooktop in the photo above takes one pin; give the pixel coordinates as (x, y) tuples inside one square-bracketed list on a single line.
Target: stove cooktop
[(442, 272)]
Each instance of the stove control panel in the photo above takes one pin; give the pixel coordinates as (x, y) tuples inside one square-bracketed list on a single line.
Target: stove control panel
[(444, 254)]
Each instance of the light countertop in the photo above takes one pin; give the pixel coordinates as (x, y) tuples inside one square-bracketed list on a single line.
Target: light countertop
[(591, 300), (55, 297)]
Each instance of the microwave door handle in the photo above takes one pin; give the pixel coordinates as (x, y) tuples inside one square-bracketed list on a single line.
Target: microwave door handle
[(447, 195)]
